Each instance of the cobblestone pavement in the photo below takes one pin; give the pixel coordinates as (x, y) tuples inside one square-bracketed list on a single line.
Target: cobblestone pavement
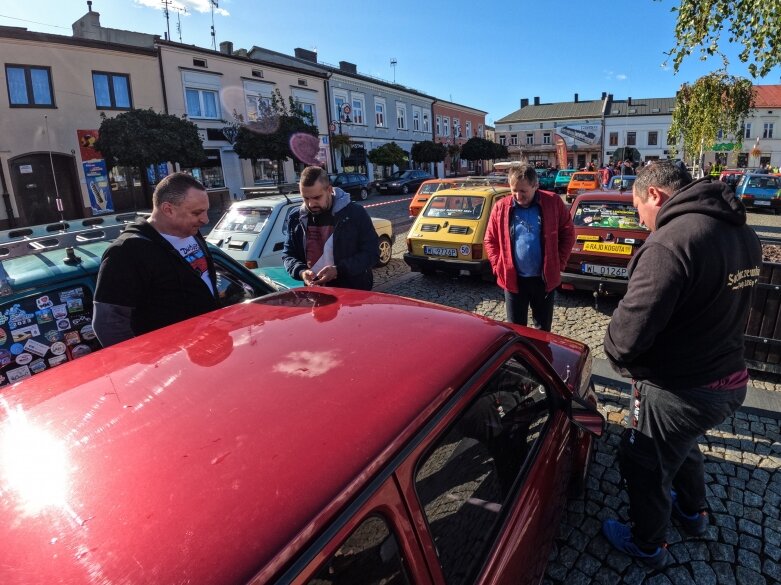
[(743, 463)]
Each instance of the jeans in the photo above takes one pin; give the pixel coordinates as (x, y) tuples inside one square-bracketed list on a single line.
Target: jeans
[(531, 292), (659, 451)]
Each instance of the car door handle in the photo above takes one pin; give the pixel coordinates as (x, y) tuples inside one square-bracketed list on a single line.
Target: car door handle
[(278, 246)]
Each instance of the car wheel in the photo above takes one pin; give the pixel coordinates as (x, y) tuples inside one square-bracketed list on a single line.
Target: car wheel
[(364, 194), (386, 251), (405, 190)]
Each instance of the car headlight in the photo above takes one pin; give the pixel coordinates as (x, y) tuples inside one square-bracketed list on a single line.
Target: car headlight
[(394, 184)]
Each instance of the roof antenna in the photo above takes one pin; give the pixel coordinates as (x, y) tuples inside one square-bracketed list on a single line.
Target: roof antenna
[(54, 174), (89, 5), (393, 64), (167, 22), (214, 5)]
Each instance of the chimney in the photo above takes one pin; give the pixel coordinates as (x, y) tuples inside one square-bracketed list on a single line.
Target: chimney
[(536, 100), (604, 95), (629, 101), (348, 67), (89, 5), (306, 55), (610, 97), (524, 102), (576, 98), (226, 47)]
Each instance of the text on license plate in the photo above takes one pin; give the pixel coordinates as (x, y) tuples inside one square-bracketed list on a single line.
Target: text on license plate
[(607, 247), (598, 270), (434, 251), (760, 202)]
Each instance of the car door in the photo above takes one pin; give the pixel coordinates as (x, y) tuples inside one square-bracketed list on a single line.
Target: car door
[(271, 255), (487, 487)]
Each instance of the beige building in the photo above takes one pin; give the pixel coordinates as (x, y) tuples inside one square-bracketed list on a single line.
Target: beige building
[(55, 86)]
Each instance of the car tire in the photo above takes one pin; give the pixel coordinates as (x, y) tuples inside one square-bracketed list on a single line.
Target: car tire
[(386, 251), (364, 194), (405, 190)]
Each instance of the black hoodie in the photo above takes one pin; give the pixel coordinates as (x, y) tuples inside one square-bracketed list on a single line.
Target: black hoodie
[(681, 321)]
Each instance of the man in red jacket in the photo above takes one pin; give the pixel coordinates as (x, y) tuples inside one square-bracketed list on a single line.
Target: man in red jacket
[(528, 241)]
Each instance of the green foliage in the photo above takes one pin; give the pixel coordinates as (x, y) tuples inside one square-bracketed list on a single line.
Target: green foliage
[(714, 102), (482, 149), (500, 151), (139, 138), (752, 23), (428, 151), (390, 154)]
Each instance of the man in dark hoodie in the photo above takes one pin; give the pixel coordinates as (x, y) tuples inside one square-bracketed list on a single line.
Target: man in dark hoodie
[(159, 271), (330, 240), (678, 332)]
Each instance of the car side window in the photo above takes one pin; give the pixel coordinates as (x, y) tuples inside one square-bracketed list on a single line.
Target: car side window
[(290, 210), (370, 556), (467, 480)]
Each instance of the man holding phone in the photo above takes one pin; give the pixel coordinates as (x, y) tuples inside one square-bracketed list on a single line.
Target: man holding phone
[(330, 240)]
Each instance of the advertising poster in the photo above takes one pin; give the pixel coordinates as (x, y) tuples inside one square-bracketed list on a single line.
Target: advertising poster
[(155, 173), (581, 134), (95, 173)]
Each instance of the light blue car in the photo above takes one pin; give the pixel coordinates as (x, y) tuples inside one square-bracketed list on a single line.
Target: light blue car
[(760, 191)]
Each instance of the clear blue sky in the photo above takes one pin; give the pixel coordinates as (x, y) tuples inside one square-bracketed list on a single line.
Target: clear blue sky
[(487, 55)]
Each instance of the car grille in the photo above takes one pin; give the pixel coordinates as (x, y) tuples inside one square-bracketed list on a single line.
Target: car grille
[(429, 227), (458, 229)]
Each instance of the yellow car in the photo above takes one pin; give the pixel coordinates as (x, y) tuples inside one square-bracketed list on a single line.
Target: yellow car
[(448, 234)]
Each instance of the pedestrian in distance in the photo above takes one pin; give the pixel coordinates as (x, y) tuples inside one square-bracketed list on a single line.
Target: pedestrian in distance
[(528, 241), (678, 333), (330, 239), (159, 270)]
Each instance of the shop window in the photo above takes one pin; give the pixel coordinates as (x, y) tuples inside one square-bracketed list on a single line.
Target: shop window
[(29, 86), (209, 172)]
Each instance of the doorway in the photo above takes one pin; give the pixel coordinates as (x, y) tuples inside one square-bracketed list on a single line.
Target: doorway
[(35, 191)]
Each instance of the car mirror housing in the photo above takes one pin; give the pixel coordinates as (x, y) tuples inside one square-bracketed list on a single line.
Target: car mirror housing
[(586, 417)]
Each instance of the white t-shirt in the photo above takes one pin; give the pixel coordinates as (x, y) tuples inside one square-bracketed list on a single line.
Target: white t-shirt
[(192, 252)]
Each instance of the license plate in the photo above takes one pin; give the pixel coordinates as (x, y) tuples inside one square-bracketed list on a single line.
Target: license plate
[(766, 203), (433, 251), (599, 270), (607, 247)]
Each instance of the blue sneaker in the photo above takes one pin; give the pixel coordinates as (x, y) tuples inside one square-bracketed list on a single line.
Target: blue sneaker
[(620, 536), (692, 524)]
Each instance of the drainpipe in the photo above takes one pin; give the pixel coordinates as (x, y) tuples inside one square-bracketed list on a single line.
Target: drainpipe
[(9, 210), (162, 78)]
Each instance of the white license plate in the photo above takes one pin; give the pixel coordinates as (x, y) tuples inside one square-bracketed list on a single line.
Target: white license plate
[(433, 251), (760, 202), (609, 271)]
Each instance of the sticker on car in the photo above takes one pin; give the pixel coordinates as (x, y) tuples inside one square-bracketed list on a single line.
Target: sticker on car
[(607, 247)]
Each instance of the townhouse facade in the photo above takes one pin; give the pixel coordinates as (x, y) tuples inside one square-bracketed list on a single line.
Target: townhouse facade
[(454, 125), (640, 124)]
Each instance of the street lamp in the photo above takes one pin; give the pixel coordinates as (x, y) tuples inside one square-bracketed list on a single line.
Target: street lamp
[(342, 143)]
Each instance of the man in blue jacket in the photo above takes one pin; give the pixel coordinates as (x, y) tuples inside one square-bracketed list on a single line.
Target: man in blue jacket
[(330, 240)]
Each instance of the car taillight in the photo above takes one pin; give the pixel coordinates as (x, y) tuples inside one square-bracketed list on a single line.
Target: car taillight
[(250, 264), (477, 251), (409, 245)]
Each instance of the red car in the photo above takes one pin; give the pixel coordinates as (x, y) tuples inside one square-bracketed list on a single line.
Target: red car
[(261, 444), (608, 235)]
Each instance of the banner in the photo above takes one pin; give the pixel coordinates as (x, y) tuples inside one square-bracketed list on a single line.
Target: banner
[(561, 151), (95, 173), (581, 134)]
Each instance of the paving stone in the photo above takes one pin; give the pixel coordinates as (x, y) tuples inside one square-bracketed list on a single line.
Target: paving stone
[(746, 576), (772, 570), (680, 552), (635, 575), (607, 576), (751, 498), (735, 492), (613, 476), (588, 564), (772, 537), (750, 560), (703, 574), (749, 527), (660, 579), (721, 552), (599, 548), (568, 556), (754, 515), (729, 536), (578, 578), (591, 526), (679, 576), (605, 459), (718, 491), (698, 551), (773, 524), (742, 473), (772, 551), (734, 508), (617, 560), (724, 520), (750, 543), (556, 571)]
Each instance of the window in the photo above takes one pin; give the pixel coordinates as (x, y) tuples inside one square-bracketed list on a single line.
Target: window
[(456, 128), (202, 97), (747, 131), (370, 555), (257, 73), (513, 140), (546, 137), (426, 122), (359, 108), (767, 130), (340, 99), (303, 82), (379, 112), (529, 138), (112, 90), (653, 138), (209, 172), (503, 140), (310, 109), (29, 86), (614, 139), (631, 138), (401, 116), (720, 134), (469, 129), (416, 118), (257, 96), (480, 130), (446, 125), (199, 62), (468, 475), (439, 125)]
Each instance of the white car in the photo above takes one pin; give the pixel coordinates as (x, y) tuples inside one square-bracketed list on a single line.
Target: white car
[(254, 231)]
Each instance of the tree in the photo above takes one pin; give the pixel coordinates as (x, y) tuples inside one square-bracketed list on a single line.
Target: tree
[(477, 149), (499, 151), (428, 151), (700, 24), (280, 132), (390, 154), (453, 150), (140, 138)]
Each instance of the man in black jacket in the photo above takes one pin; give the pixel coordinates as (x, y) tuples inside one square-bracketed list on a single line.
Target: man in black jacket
[(330, 239), (678, 332), (159, 271)]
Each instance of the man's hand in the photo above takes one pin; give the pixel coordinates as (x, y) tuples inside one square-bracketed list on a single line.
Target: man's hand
[(327, 274), (308, 276)]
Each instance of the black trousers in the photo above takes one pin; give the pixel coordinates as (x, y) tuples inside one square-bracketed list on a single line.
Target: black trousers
[(531, 292), (659, 452)]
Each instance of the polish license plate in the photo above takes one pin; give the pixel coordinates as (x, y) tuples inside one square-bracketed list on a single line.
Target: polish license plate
[(609, 271), (607, 247), (434, 251), (760, 202)]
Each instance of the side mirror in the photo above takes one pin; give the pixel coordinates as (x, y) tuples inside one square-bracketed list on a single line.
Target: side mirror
[(586, 417)]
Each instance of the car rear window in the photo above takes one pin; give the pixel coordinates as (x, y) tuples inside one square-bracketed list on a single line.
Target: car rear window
[(607, 214), (584, 177), (565, 174), (430, 187), (455, 207), (763, 182), (621, 183), (244, 219)]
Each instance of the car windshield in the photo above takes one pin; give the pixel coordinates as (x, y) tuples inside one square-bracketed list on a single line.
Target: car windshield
[(607, 214), (566, 173), (430, 187), (584, 177), (244, 219), (455, 207), (398, 175)]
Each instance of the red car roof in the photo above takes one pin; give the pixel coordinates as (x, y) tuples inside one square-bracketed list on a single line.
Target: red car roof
[(197, 452)]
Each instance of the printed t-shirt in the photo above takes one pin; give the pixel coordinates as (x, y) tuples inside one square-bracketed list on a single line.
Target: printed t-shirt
[(319, 241), (192, 252)]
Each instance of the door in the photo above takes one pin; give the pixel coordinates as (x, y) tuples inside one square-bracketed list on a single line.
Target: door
[(36, 192), (272, 249)]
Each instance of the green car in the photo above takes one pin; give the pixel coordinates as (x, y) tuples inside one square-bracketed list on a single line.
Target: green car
[(547, 179), (562, 180)]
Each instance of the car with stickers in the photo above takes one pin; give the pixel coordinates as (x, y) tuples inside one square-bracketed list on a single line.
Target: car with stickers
[(561, 182), (260, 443), (621, 183), (608, 234), (433, 185), (759, 191), (582, 181), (47, 285), (254, 231), (448, 234)]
